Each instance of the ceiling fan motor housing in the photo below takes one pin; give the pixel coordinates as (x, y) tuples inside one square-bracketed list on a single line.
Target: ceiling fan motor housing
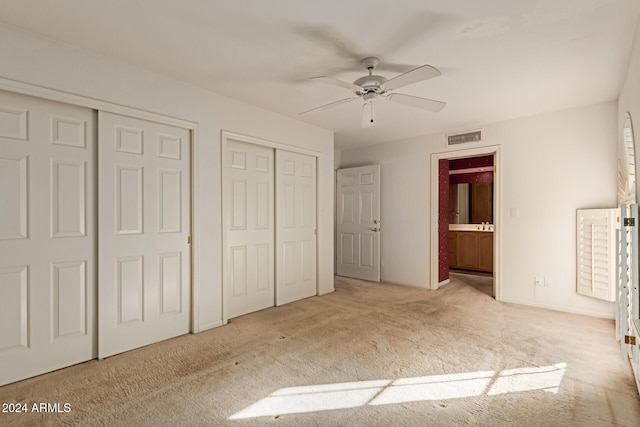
[(370, 84)]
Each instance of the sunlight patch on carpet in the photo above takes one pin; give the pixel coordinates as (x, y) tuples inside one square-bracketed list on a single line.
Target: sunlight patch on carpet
[(326, 397), (545, 378)]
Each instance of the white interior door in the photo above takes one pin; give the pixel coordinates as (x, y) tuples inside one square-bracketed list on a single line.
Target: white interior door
[(145, 221), (249, 228), (358, 223), (47, 236), (295, 226)]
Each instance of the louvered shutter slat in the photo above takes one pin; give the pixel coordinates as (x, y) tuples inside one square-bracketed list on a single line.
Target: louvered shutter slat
[(596, 253)]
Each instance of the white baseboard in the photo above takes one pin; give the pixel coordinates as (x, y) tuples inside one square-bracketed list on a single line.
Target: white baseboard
[(397, 282), (561, 308), (211, 325), (444, 282)]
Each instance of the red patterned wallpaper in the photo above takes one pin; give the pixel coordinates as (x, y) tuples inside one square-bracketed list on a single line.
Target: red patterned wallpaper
[(469, 178), (443, 220), (472, 162)]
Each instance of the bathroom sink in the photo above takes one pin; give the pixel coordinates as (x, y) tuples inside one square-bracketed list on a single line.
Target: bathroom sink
[(471, 227)]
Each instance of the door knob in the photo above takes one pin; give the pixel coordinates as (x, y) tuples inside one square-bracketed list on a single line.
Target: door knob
[(376, 221), (374, 229)]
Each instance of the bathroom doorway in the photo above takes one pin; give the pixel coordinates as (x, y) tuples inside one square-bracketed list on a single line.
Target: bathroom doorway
[(465, 219)]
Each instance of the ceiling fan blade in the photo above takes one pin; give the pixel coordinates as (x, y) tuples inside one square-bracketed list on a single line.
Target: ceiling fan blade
[(410, 77), (415, 101), (336, 82), (368, 114), (331, 104)]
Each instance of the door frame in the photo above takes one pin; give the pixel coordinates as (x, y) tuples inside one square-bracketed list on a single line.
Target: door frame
[(496, 151), (101, 105), (225, 137)]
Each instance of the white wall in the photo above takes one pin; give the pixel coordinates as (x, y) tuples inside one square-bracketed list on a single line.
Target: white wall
[(29, 58), (552, 164)]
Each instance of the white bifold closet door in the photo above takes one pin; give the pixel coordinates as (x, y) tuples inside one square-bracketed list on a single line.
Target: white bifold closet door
[(248, 203), (144, 227), (270, 227), (47, 236), (295, 226)]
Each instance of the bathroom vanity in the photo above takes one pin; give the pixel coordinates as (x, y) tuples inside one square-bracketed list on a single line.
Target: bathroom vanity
[(471, 247)]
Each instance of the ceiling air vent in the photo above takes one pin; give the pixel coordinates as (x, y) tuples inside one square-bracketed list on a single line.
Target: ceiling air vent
[(462, 138)]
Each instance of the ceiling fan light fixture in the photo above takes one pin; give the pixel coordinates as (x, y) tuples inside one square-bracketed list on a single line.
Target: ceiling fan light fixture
[(369, 96)]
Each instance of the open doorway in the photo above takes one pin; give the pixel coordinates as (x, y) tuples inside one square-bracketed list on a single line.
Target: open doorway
[(470, 222), (465, 243)]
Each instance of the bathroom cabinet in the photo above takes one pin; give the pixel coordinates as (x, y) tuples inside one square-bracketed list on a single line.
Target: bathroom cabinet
[(471, 250)]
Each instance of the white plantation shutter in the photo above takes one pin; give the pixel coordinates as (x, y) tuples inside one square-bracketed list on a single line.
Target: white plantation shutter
[(626, 165), (627, 134), (597, 246)]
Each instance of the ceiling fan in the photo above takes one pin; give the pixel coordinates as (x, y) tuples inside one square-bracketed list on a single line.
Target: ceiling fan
[(371, 87)]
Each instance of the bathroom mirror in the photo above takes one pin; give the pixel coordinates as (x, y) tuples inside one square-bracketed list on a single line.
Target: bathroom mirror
[(471, 203), (626, 164)]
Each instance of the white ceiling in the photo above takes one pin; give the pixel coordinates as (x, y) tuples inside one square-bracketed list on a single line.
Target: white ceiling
[(499, 59)]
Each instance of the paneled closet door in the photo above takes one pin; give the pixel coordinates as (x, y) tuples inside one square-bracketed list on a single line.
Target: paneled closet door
[(249, 228), (145, 221), (47, 236), (295, 226)]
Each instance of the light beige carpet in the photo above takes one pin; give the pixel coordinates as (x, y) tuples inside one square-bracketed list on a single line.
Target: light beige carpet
[(482, 282), (368, 354)]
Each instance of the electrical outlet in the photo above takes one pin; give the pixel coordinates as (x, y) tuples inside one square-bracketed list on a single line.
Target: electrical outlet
[(538, 281), (548, 282)]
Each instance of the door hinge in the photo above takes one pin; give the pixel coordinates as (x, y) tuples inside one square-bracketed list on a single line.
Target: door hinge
[(630, 339), (315, 231), (188, 240), (629, 222)]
